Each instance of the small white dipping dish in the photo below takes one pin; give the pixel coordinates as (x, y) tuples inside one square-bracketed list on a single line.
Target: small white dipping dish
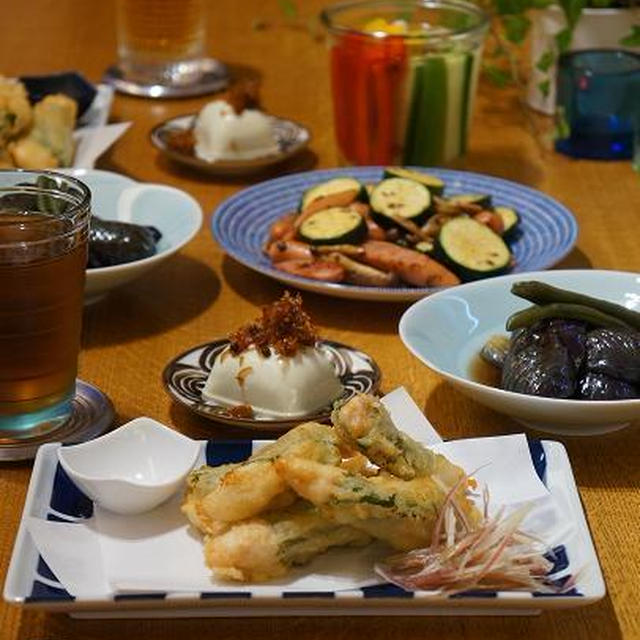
[(447, 330), (132, 469)]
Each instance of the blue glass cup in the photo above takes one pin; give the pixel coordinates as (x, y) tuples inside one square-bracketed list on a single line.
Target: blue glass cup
[(598, 99)]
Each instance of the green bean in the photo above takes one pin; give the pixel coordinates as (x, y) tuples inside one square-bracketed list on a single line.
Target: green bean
[(542, 293), (531, 315)]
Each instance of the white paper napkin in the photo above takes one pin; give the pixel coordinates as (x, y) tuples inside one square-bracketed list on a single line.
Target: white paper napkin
[(158, 551), (92, 142)]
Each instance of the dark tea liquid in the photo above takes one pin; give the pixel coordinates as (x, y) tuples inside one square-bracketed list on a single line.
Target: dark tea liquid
[(41, 297)]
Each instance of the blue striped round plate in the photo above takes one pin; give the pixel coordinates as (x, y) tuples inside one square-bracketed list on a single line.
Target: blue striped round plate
[(241, 225)]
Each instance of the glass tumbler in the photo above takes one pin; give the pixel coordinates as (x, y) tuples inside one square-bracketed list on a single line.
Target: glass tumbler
[(403, 78), (161, 41), (44, 220), (598, 103)]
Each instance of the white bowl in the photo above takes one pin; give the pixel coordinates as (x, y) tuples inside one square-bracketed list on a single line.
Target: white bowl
[(132, 469), (173, 212), (447, 330)]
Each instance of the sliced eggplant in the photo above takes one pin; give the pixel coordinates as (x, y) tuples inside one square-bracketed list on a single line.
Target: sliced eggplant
[(331, 187), (336, 225), (399, 198), (433, 183), (510, 220), (481, 199), (471, 249)]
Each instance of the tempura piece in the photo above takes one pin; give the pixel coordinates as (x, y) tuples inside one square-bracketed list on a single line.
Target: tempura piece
[(54, 118), (364, 424), (28, 153), (217, 496), (15, 109), (244, 491), (5, 159), (262, 548), (316, 438), (403, 513), (200, 482)]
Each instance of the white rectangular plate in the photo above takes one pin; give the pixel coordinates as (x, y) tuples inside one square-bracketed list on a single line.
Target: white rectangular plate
[(53, 496)]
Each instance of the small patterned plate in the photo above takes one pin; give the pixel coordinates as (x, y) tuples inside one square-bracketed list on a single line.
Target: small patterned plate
[(290, 136), (185, 375)]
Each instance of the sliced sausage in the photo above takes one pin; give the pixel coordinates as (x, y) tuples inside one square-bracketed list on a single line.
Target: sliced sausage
[(413, 267)]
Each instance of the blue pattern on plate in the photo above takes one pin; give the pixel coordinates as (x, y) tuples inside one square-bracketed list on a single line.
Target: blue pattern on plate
[(68, 500), (140, 596), (474, 593), (558, 555), (308, 594), (44, 571), (560, 582), (219, 595), (386, 591), (241, 223), (226, 452), (538, 458), (43, 592)]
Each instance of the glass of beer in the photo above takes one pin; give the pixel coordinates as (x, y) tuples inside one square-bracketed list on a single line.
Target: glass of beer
[(44, 223), (161, 41)]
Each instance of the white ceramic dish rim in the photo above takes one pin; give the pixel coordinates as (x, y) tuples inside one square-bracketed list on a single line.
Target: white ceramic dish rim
[(156, 257), (117, 433), (534, 400)]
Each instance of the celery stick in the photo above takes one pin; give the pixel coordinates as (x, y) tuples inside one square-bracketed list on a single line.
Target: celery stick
[(429, 141), (456, 81), (410, 149)]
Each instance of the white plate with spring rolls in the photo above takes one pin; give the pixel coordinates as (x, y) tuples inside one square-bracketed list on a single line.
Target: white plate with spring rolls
[(105, 565), (242, 223)]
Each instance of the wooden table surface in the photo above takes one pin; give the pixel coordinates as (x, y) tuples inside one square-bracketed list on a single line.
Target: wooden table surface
[(200, 294)]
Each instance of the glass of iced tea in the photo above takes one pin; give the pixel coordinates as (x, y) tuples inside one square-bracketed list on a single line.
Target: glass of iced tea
[(44, 222), (161, 42), (403, 77)]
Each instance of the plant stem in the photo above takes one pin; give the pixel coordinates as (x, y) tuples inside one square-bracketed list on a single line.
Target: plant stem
[(520, 88)]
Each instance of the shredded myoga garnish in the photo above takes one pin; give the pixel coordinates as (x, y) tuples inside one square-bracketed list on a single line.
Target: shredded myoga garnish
[(494, 554)]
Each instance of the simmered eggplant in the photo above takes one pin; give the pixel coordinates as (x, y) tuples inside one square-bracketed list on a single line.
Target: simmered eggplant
[(598, 386), (573, 335), (112, 242), (615, 353), (538, 363)]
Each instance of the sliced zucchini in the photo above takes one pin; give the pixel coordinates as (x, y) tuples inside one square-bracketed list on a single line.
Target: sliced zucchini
[(399, 197), (510, 220), (336, 225), (434, 184), (481, 199), (471, 249), (331, 187)]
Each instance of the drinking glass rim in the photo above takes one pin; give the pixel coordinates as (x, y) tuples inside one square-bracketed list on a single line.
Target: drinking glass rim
[(80, 211), (568, 57), (327, 14)]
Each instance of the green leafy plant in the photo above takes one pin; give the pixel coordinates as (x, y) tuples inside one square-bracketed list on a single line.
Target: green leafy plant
[(511, 25)]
